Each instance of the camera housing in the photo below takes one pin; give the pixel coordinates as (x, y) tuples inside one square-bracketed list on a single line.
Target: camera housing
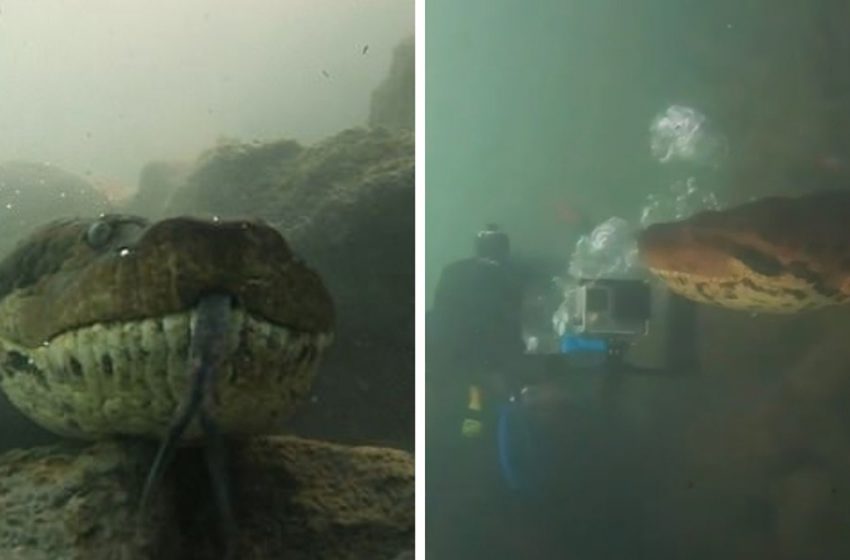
[(612, 308), (634, 321)]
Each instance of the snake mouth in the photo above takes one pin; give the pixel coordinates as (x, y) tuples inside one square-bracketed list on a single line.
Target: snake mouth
[(210, 346), (130, 377)]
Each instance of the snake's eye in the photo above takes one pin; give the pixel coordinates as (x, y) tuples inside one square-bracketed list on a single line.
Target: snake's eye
[(98, 234)]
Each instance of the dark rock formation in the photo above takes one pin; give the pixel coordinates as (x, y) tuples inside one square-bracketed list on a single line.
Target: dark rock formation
[(771, 445), (234, 179), (393, 102), (347, 206), (64, 502), (745, 460), (159, 182), (306, 499), (294, 498)]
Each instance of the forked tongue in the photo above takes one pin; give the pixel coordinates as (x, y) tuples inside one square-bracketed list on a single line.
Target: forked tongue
[(209, 349)]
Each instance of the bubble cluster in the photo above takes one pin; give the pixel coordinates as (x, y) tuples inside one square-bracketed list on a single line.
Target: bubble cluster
[(684, 134), (609, 251), (679, 134), (564, 317), (683, 199)]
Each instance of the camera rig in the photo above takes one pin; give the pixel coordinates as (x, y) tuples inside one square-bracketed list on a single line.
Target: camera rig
[(620, 324)]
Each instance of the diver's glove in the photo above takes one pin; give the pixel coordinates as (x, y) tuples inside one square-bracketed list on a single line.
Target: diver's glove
[(472, 425)]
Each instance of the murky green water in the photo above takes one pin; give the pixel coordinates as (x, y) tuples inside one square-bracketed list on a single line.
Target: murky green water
[(540, 118)]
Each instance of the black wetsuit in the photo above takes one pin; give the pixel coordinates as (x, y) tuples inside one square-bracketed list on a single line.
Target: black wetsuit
[(474, 337), (475, 319)]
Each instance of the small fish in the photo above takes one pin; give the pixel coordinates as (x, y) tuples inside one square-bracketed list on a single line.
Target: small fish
[(325, 74), (365, 49)]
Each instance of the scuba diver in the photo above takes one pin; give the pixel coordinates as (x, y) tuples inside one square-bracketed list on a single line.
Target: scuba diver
[(509, 433), (475, 329), (474, 352)]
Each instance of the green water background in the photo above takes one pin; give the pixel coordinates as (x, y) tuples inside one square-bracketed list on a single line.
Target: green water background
[(529, 103), (532, 105)]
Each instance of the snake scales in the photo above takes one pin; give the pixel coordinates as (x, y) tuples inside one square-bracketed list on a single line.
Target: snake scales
[(177, 330), (773, 255)]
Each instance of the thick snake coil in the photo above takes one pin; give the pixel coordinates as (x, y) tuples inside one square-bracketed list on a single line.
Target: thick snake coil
[(774, 255), (173, 330)]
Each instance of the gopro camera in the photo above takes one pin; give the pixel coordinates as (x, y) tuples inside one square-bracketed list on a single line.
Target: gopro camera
[(612, 308)]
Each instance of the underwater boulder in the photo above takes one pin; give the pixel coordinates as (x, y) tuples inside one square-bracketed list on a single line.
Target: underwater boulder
[(159, 183), (236, 179), (393, 101), (322, 500), (66, 502), (294, 498)]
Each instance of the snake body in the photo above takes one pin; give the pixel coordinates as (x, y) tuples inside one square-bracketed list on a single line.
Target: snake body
[(97, 318), (774, 255)]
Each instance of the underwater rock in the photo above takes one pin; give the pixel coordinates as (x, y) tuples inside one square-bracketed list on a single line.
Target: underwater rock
[(159, 183), (346, 205), (62, 502), (34, 193), (234, 179), (393, 101), (287, 183), (298, 498), (294, 498)]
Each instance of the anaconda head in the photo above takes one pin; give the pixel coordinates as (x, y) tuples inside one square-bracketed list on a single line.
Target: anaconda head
[(97, 319), (777, 254)]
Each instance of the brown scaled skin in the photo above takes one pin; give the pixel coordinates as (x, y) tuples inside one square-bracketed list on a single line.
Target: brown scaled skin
[(795, 250), (77, 273), (59, 280)]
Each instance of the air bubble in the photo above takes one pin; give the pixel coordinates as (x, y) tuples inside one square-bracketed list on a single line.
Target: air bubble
[(684, 134), (683, 199), (609, 251)]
